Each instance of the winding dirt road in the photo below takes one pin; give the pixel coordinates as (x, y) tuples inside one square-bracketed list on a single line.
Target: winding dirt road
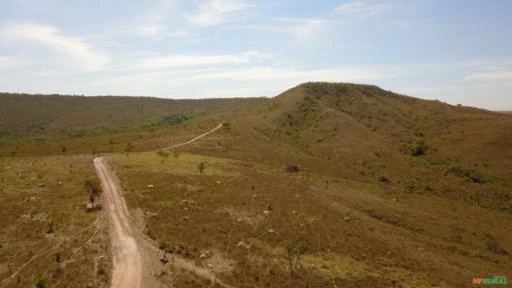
[(129, 269)]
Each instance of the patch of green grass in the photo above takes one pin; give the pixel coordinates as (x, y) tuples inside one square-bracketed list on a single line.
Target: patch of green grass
[(468, 174)]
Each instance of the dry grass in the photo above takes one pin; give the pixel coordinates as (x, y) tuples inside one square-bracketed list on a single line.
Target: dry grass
[(430, 224), (356, 234), (40, 192)]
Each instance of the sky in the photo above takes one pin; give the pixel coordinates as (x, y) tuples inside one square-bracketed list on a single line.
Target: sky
[(457, 51)]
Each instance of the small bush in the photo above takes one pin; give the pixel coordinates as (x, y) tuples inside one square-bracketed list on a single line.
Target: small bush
[(162, 153), (383, 179), (468, 174), (292, 168), (493, 246), (40, 284), (418, 150), (201, 166)]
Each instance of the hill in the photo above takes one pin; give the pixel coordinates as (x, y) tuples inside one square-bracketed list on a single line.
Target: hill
[(383, 190), (34, 115), (324, 185), (365, 133)]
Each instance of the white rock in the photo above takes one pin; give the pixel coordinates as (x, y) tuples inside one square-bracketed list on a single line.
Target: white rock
[(203, 256), (151, 186)]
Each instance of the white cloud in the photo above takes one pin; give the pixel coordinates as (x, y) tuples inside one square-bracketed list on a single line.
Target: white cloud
[(185, 60), (496, 75), (340, 74), (49, 37), (362, 8), (215, 12), (157, 22), (8, 62), (301, 29)]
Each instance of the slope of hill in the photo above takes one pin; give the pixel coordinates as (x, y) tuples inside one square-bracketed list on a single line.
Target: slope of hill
[(360, 186), (22, 114), (325, 185), (362, 132)]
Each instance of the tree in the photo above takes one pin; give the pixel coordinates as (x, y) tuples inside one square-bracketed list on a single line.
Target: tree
[(50, 227), (201, 167), (93, 188), (295, 251)]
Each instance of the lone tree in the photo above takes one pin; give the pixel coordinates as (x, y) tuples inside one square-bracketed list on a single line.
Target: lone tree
[(201, 166), (93, 188), (295, 251)]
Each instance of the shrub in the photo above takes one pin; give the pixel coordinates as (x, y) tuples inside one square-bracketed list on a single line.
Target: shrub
[(40, 284), (468, 174), (292, 168), (418, 150), (162, 153), (383, 179), (201, 166)]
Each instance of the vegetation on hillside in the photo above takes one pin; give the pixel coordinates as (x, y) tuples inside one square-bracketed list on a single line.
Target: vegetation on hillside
[(325, 185)]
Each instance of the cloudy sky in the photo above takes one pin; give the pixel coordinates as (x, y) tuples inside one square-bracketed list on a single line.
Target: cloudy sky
[(454, 51)]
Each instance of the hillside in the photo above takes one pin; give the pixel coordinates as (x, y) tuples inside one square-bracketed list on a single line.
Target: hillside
[(324, 185), (33, 115), (390, 191), (365, 133)]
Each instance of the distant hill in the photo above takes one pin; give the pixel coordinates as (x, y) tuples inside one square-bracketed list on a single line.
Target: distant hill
[(30, 115), (363, 132)]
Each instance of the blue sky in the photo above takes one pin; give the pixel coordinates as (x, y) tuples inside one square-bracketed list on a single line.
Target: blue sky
[(454, 51)]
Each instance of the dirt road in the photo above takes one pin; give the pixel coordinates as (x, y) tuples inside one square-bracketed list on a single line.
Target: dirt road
[(127, 258), (197, 138), (129, 269)]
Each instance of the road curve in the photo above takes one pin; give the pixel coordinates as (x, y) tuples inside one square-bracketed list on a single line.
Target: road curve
[(128, 268), (196, 138)]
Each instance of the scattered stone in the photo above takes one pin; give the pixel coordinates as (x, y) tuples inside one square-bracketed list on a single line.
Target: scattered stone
[(239, 219), (346, 218), (271, 231), (218, 182), (242, 244), (209, 265), (203, 256), (59, 183), (40, 185), (294, 212), (254, 196), (151, 186), (266, 212)]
